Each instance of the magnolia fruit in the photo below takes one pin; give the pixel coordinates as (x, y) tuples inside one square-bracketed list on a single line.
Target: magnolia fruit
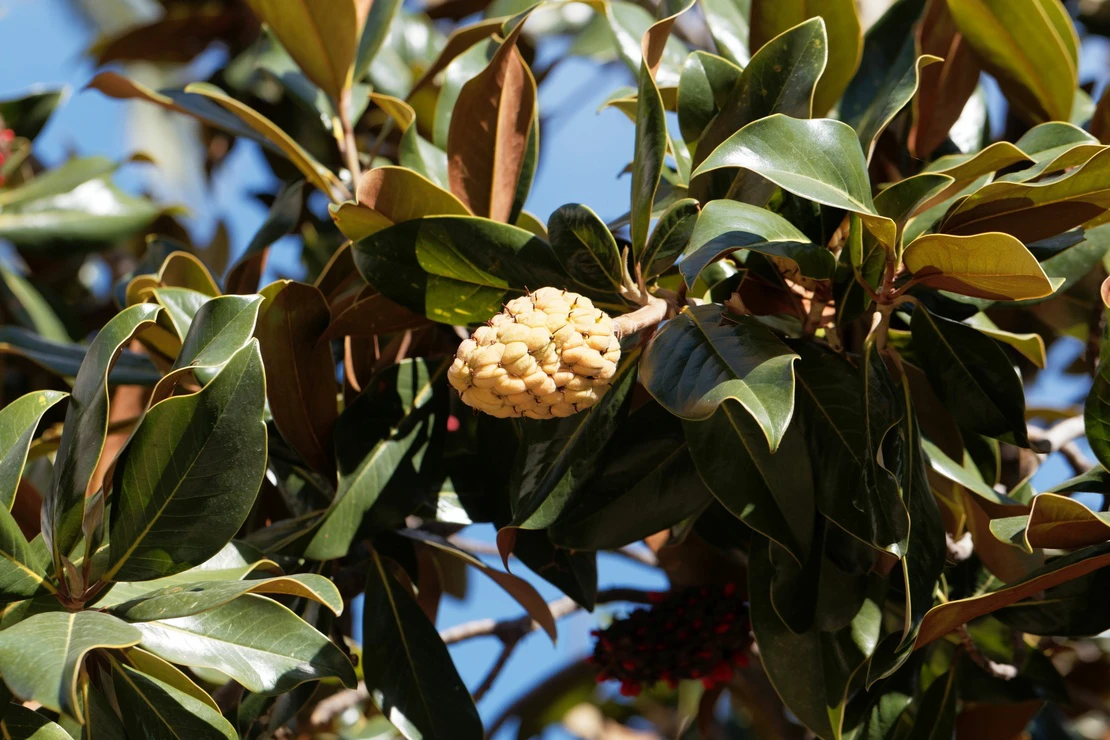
[(548, 354)]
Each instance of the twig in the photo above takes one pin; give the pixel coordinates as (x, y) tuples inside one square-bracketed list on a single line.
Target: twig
[(350, 148), (476, 547), (506, 651), (1061, 438)]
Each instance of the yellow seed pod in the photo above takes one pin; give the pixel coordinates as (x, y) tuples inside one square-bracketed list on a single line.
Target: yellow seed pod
[(549, 354)]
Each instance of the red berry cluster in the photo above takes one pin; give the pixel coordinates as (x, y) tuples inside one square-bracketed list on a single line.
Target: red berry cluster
[(697, 633), (7, 136)]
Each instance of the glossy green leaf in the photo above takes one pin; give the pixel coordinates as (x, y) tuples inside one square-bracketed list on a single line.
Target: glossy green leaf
[(728, 25), (1034, 211), (769, 18), (780, 78), (888, 75), (375, 436), (628, 23), (699, 359), (72, 209), (936, 712), (18, 422), (236, 561), (190, 475), (193, 598), (846, 417), (1054, 522), (318, 34), (586, 249), (813, 671), (300, 371), (557, 460), (706, 83), (726, 226), (41, 657), (1096, 414), (221, 327), (819, 160), (23, 566), (776, 497), (646, 483), (1029, 47), (29, 307), (374, 32), (1029, 345), (254, 640), (453, 269), (86, 426), (651, 126), (995, 266), (155, 709), (407, 668), (670, 236), (21, 723), (972, 376)]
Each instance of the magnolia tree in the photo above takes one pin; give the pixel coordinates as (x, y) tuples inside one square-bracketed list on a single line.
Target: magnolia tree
[(795, 369)]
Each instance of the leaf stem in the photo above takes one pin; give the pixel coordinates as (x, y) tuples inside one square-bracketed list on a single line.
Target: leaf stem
[(348, 146)]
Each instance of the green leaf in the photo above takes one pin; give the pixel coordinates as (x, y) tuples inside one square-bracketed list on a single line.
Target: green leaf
[(491, 121), (378, 22), (972, 376), (995, 266), (236, 561), (27, 114), (698, 359), (936, 713), (72, 209), (454, 269), (777, 497), (407, 668), (167, 673), (651, 126), (811, 671), (586, 249), (846, 417), (1034, 211), (190, 475), (728, 25), (1096, 414), (254, 640), (888, 74), (41, 657), (313, 171), (193, 598), (18, 421), (401, 195), (769, 18), (628, 23), (24, 565), (1029, 345), (86, 427), (646, 483), (780, 78), (376, 434), (1030, 48), (819, 160), (318, 34), (21, 723), (726, 226), (29, 307), (704, 88), (670, 237), (221, 327), (300, 371), (155, 709), (557, 460), (946, 617)]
